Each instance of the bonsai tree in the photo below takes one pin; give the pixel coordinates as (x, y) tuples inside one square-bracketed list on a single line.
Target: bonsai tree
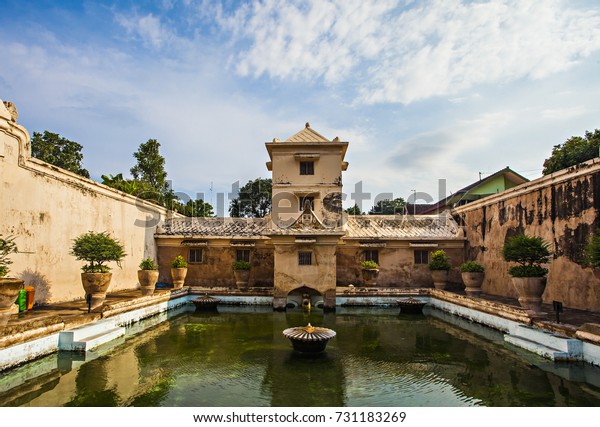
[(241, 265), (529, 253), (7, 247), (97, 249), (471, 267), (148, 276), (369, 265), (148, 264), (439, 261), (179, 262), (472, 275), (592, 251), (178, 271)]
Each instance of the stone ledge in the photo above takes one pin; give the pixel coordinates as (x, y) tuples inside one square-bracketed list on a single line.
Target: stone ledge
[(30, 330), (114, 309), (509, 312), (589, 332)]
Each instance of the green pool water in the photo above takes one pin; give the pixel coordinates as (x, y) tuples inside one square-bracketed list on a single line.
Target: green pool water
[(239, 357)]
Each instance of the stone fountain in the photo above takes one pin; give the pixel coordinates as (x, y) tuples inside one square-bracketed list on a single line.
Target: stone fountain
[(206, 303), (309, 339), (411, 305)]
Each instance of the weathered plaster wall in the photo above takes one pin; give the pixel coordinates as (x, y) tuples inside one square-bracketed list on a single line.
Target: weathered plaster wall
[(215, 268), (289, 186), (45, 208), (563, 209), (397, 265)]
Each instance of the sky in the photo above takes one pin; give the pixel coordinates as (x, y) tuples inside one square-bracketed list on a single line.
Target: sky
[(423, 91)]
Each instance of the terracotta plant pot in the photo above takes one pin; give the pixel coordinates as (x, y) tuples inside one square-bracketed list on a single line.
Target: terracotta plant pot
[(473, 281), (530, 291), (178, 276), (9, 290), (96, 285), (147, 279), (369, 276), (440, 278), (241, 278)]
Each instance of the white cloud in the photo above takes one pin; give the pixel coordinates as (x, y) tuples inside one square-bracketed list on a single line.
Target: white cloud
[(410, 53), (148, 28), (563, 113)]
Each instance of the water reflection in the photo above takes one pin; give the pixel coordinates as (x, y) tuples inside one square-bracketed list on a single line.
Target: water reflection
[(239, 357)]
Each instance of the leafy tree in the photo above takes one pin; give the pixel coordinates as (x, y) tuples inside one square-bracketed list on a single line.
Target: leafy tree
[(592, 251), (54, 149), (150, 167), (7, 247), (529, 253), (254, 199), (196, 208), (575, 150), (97, 249), (388, 207), (354, 210)]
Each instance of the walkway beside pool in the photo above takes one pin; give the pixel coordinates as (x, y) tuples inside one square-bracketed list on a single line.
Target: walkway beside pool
[(49, 320)]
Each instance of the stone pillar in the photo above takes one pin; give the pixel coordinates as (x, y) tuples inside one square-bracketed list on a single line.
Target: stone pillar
[(329, 300), (279, 300)]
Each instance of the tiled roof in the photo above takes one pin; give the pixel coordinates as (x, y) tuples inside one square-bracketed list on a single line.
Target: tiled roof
[(215, 227), (307, 135), (402, 227), (394, 227)]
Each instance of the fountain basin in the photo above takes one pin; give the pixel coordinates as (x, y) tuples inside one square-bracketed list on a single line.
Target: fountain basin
[(206, 303), (309, 339), (411, 305)]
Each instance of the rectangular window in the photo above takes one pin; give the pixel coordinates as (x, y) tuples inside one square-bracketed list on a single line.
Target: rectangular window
[(309, 199), (307, 168), (372, 255), (421, 257), (195, 256), (242, 255), (304, 258)]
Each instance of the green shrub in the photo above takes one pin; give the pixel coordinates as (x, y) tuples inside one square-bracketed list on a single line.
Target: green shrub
[(7, 247), (439, 261), (148, 264), (369, 265), (527, 271), (241, 265), (471, 267), (529, 252), (592, 251), (97, 249), (179, 262)]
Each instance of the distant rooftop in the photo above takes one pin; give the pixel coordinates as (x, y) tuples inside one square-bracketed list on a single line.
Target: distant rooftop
[(213, 227), (402, 227)]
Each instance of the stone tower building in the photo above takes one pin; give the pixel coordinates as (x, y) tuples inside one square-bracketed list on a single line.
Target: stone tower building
[(306, 218)]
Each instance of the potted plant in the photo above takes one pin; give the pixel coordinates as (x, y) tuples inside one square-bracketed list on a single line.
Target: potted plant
[(148, 276), (592, 253), (178, 271), (472, 275), (528, 276), (9, 287), (370, 272), (439, 267), (97, 249), (241, 272)]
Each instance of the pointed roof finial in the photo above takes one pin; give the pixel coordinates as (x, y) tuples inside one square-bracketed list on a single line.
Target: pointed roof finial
[(307, 125)]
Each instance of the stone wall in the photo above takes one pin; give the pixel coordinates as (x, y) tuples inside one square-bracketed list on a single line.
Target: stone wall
[(397, 265), (215, 268), (563, 208), (46, 207)]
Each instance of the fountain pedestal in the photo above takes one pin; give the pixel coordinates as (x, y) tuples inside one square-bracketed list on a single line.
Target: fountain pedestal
[(309, 339)]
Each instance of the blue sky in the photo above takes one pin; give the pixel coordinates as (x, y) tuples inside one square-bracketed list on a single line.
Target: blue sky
[(422, 90)]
